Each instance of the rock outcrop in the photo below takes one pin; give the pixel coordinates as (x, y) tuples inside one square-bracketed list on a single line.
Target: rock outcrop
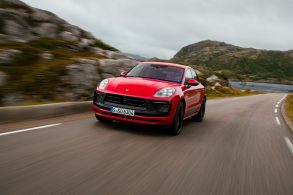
[(22, 23), (82, 76), (213, 79), (3, 78), (7, 56)]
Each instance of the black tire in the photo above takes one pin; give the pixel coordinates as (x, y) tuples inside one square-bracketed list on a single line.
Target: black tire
[(200, 115), (177, 124), (103, 119)]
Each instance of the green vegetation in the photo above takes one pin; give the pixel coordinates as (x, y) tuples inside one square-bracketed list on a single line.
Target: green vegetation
[(48, 43), (26, 57), (228, 92), (31, 103), (38, 78), (268, 65), (244, 64), (289, 107), (102, 45)]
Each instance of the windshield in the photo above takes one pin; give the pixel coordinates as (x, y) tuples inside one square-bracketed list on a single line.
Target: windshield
[(159, 72)]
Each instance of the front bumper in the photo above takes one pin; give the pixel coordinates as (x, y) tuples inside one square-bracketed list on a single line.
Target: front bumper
[(133, 119), (152, 112)]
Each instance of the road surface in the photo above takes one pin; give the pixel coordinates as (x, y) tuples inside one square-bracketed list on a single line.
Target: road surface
[(242, 147)]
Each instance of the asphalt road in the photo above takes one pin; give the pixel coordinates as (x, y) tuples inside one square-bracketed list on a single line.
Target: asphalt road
[(240, 148)]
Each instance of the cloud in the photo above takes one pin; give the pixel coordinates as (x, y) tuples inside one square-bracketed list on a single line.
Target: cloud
[(161, 27)]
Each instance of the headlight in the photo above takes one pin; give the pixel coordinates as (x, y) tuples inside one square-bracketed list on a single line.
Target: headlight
[(166, 92), (103, 84)]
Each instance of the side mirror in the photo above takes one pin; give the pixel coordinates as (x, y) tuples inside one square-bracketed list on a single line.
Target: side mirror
[(193, 82), (123, 73)]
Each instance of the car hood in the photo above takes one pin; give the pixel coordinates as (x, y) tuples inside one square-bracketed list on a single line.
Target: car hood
[(134, 86)]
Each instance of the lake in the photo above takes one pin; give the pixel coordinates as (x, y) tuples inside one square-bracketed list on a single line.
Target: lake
[(262, 87)]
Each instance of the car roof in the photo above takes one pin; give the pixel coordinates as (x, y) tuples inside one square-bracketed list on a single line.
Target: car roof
[(166, 64)]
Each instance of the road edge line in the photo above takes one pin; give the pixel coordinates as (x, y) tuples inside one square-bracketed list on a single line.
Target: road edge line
[(278, 120), (29, 129), (289, 144)]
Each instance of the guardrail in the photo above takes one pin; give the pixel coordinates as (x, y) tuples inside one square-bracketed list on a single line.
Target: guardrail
[(22, 113)]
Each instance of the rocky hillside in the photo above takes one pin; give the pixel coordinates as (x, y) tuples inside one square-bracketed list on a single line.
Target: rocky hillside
[(234, 62), (43, 58), (22, 23)]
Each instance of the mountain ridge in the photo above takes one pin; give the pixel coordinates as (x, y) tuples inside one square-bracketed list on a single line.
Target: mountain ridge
[(247, 64)]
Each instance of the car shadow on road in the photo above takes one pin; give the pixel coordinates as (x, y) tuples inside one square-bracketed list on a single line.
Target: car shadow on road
[(145, 130), (189, 128)]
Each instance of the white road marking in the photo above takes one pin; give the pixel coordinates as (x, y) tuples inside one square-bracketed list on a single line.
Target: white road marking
[(290, 145), (282, 98), (278, 121), (279, 102), (29, 129)]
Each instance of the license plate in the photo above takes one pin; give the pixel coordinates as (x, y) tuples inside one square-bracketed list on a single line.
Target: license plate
[(122, 111)]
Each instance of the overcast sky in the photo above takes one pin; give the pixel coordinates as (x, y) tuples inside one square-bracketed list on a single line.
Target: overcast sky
[(159, 28)]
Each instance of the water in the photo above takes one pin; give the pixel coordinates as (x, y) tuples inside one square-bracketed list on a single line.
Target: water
[(262, 87)]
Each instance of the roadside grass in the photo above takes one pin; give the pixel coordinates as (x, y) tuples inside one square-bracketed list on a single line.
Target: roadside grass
[(32, 103), (221, 92), (289, 107), (102, 45)]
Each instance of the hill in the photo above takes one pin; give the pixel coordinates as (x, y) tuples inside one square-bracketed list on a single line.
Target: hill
[(45, 59), (246, 64)]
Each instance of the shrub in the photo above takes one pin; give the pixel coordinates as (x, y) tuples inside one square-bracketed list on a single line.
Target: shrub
[(27, 56), (102, 45), (47, 43)]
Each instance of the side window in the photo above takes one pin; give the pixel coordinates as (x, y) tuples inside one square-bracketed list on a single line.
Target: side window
[(194, 75), (188, 76)]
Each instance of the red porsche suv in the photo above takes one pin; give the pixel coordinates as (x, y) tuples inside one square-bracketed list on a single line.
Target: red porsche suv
[(154, 93)]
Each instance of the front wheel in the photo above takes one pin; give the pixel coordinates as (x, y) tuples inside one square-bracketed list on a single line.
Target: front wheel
[(200, 115), (103, 119), (177, 124)]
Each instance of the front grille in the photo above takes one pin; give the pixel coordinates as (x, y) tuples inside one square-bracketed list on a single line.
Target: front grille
[(98, 97), (125, 100), (141, 106)]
